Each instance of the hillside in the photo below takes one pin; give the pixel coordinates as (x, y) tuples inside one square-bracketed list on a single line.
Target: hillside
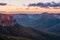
[(7, 37), (21, 31), (54, 29)]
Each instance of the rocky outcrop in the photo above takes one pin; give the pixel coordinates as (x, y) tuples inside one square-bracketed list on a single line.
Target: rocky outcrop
[(7, 20)]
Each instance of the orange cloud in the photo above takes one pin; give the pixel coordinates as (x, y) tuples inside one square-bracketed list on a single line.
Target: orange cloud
[(27, 10)]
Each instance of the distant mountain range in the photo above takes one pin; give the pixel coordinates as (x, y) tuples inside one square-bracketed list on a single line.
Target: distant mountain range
[(31, 19), (15, 27), (42, 21)]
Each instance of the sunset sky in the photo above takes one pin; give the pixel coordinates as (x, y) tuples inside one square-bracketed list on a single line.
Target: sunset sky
[(21, 6)]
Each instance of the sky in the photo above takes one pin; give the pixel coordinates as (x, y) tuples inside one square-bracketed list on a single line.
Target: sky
[(21, 6), (21, 2)]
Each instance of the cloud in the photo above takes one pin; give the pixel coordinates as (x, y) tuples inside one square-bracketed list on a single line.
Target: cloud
[(46, 5), (3, 4)]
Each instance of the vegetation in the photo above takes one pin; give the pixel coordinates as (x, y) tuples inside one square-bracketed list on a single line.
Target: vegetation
[(7, 37)]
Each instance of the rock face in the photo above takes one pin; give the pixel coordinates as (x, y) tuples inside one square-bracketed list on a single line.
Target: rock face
[(7, 20)]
